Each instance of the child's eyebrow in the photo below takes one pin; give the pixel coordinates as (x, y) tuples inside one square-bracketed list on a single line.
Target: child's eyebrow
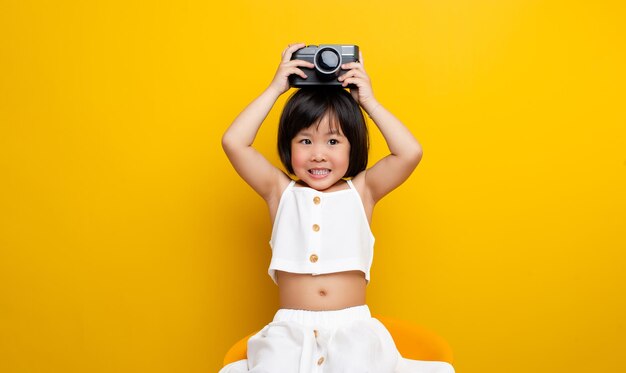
[(334, 133), (329, 133)]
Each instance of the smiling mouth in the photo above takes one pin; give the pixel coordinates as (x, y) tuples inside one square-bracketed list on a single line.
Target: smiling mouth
[(319, 172)]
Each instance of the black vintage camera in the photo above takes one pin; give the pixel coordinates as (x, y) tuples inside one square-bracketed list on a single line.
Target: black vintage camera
[(327, 59)]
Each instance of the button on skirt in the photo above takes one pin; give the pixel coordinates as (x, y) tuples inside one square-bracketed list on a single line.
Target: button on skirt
[(339, 341)]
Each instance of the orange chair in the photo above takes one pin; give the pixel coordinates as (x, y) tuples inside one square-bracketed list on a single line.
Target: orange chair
[(413, 341)]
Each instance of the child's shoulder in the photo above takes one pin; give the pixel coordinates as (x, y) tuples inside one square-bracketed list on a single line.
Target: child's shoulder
[(281, 184), (361, 186), (274, 199), (359, 182)]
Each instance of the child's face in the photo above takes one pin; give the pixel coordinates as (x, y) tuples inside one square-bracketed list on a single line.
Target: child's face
[(320, 155)]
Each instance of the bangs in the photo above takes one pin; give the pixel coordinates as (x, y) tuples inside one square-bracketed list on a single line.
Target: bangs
[(310, 111), (334, 124)]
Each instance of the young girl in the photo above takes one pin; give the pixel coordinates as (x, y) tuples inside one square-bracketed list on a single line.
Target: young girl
[(322, 246)]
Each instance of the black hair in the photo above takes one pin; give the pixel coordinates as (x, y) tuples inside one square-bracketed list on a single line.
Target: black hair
[(308, 106)]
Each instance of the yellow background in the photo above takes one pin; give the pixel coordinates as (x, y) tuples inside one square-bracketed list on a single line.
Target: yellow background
[(128, 243)]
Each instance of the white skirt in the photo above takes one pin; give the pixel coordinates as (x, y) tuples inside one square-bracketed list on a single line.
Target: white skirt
[(342, 341)]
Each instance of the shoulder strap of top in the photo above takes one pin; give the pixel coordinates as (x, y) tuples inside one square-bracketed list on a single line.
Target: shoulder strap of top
[(350, 184), (290, 186)]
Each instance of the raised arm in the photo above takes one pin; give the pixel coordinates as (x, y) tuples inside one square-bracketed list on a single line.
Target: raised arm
[(406, 152), (237, 141)]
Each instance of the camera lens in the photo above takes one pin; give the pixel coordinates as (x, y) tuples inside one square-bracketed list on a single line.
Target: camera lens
[(327, 60)]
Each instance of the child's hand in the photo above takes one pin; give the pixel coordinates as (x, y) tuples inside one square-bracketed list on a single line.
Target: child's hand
[(280, 83), (356, 75)]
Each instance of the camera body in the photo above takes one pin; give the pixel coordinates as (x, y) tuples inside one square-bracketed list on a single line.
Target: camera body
[(327, 59)]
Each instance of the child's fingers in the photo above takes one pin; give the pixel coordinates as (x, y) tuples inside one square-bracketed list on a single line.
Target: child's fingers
[(354, 81), (353, 65), (357, 86), (353, 73), (358, 80), (293, 47), (300, 63), (295, 70), (290, 49), (301, 73)]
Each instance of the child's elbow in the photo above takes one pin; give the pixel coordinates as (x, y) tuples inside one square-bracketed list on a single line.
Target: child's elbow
[(227, 142), (415, 155)]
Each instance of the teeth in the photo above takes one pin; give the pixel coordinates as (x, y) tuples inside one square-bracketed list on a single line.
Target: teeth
[(320, 172)]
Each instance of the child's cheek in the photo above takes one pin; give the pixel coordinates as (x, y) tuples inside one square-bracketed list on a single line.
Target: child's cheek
[(297, 159)]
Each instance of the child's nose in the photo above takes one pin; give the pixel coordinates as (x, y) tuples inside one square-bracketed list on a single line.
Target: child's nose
[(318, 156)]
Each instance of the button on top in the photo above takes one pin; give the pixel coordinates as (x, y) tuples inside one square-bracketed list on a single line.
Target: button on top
[(313, 258), (320, 361), (317, 200), (315, 333), (316, 228)]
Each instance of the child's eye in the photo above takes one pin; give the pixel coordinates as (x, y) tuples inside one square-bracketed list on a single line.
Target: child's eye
[(305, 141), (333, 142)]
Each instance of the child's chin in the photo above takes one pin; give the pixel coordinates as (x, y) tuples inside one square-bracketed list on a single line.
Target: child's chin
[(321, 184)]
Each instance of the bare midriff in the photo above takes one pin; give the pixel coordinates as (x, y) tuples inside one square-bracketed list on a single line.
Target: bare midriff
[(332, 291)]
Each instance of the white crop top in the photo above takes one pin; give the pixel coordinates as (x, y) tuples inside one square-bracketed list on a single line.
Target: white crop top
[(316, 232)]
